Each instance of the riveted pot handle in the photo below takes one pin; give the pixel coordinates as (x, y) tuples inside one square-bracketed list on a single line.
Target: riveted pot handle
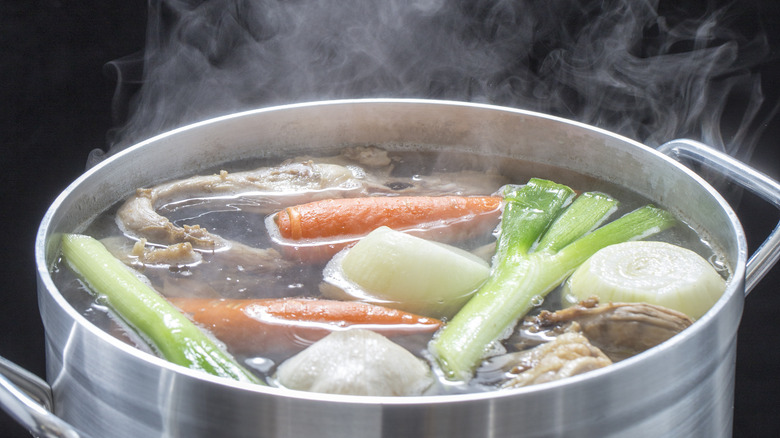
[(765, 257), (27, 398)]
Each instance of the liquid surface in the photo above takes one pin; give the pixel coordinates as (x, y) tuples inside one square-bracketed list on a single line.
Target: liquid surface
[(244, 218)]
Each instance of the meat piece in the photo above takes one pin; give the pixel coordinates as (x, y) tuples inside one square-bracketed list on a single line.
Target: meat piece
[(620, 330), (139, 217), (567, 355), (299, 181), (464, 182), (384, 174), (179, 270), (139, 254), (173, 255)]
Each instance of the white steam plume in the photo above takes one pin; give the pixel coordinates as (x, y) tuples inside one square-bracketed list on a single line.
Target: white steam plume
[(637, 67)]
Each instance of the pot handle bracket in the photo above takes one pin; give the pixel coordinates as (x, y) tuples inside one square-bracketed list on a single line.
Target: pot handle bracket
[(28, 399), (768, 253)]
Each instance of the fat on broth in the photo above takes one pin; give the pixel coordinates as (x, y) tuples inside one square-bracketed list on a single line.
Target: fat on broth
[(242, 218)]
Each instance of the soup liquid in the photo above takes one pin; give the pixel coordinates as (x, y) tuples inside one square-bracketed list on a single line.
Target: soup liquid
[(242, 219)]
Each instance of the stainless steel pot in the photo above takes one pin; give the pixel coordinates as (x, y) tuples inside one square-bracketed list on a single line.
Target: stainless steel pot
[(100, 387)]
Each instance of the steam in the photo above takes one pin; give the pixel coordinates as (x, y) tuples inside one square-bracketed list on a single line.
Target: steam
[(634, 67)]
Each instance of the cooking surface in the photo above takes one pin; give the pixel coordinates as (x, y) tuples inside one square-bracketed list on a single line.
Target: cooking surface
[(57, 104)]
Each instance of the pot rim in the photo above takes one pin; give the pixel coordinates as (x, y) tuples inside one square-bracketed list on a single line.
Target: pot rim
[(734, 284)]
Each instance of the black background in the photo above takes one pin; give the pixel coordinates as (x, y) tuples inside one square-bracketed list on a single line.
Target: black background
[(55, 99)]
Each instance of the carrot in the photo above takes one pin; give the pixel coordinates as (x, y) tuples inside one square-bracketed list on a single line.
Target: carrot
[(281, 325), (359, 216), (331, 224)]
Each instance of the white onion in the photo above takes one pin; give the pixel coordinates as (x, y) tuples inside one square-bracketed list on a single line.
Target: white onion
[(414, 274), (652, 272)]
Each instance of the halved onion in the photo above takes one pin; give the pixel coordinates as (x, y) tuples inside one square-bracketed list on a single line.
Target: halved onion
[(652, 272), (409, 273)]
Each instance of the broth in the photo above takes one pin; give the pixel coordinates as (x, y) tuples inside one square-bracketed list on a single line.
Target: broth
[(242, 218)]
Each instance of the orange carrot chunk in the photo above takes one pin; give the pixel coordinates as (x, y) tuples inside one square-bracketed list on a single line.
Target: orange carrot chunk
[(359, 216), (286, 325)]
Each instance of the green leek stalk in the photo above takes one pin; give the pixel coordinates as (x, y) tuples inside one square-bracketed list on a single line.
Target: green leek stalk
[(175, 337), (522, 275)]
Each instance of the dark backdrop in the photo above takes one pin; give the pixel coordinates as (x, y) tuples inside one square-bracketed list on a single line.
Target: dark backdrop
[(55, 100)]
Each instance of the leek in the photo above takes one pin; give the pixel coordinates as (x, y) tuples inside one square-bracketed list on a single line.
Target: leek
[(523, 275), (176, 338)]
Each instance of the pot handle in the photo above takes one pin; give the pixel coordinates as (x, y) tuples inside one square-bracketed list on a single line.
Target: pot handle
[(28, 399), (768, 189)]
